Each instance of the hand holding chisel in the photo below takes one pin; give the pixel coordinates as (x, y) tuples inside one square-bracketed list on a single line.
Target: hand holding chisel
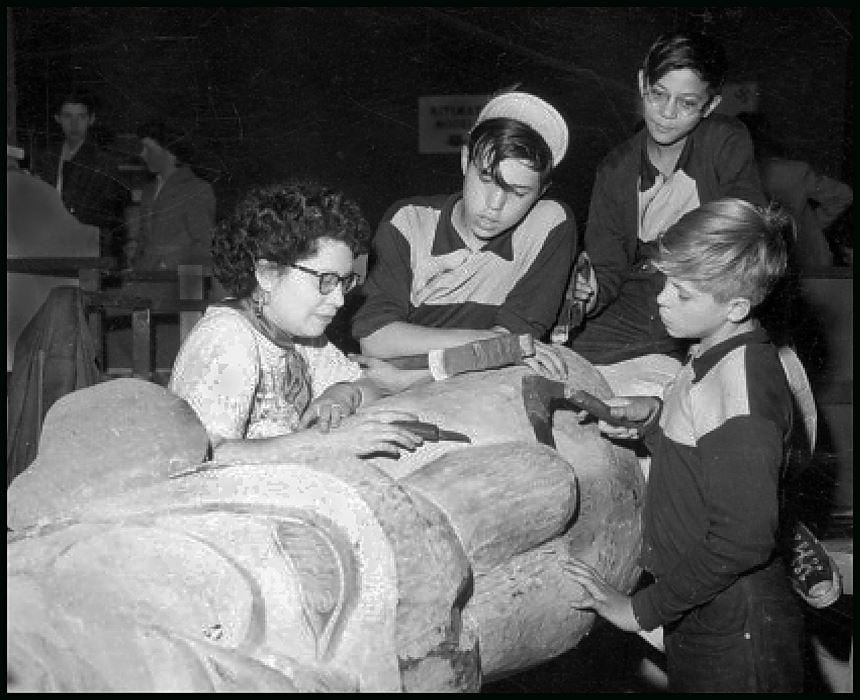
[(431, 432)]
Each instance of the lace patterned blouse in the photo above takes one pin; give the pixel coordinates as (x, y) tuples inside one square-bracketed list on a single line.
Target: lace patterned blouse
[(237, 380)]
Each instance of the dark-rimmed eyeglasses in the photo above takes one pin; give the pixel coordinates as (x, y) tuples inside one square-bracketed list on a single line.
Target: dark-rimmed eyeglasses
[(329, 280)]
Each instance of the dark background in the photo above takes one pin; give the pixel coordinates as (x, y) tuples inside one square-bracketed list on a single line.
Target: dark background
[(271, 93), (332, 92)]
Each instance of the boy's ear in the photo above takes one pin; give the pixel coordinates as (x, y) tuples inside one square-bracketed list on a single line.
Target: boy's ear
[(739, 309), (712, 105), (464, 158), (641, 77)]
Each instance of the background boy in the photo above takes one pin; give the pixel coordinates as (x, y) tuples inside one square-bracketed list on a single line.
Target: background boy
[(84, 175), (490, 260), (720, 589)]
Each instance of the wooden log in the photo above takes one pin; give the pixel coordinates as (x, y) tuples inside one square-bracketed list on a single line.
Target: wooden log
[(357, 579), (335, 573), (207, 552), (520, 607), (501, 499), (517, 605), (108, 438), (487, 406)]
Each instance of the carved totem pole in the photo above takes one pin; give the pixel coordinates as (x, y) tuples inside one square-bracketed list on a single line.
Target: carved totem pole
[(133, 565)]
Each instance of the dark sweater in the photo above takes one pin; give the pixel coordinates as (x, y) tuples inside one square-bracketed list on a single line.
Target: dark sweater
[(717, 161), (711, 511)]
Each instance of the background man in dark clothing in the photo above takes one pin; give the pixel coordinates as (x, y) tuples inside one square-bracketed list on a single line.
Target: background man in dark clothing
[(83, 174)]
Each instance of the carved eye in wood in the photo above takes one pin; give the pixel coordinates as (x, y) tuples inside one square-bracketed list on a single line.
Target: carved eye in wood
[(324, 562)]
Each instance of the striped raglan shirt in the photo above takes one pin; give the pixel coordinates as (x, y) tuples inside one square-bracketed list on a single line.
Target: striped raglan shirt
[(711, 510), (423, 273)]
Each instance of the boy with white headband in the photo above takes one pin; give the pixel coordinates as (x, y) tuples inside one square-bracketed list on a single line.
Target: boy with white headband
[(490, 260)]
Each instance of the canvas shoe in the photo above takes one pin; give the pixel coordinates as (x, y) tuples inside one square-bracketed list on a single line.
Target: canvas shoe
[(814, 575)]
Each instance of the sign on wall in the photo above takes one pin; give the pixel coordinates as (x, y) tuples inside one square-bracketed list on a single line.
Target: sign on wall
[(444, 121)]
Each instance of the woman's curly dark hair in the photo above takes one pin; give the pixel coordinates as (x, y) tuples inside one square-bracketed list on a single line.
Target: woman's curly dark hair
[(283, 223)]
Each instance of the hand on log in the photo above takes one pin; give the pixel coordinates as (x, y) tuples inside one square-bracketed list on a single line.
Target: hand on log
[(598, 595), (333, 405), (371, 434)]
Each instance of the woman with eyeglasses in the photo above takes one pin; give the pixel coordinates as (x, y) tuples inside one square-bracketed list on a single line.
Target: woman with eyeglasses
[(257, 368), (684, 155)]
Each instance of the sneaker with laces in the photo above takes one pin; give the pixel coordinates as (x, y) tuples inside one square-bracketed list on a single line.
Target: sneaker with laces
[(814, 575)]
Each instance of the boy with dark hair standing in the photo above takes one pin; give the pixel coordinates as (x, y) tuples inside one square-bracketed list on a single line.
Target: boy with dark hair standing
[(710, 522), (490, 260), (83, 174)]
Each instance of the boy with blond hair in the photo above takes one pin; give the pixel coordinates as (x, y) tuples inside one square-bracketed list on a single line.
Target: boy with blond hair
[(718, 585)]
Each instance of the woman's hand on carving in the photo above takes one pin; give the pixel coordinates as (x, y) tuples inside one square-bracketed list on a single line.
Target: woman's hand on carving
[(328, 410), (373, 433)]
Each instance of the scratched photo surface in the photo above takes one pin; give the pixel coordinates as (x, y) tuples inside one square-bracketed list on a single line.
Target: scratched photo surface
[(376, 100), (334, 91)]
